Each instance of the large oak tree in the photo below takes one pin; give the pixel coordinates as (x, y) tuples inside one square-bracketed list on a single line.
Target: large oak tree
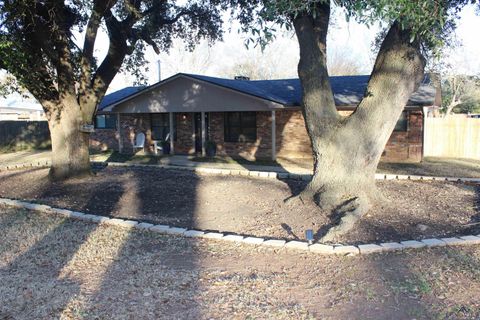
[(347, 149), (40, 44)]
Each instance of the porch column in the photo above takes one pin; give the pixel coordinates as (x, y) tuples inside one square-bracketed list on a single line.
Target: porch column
[(424, 129), (119, 132), (203, 133), (172, 132), (274, 139)]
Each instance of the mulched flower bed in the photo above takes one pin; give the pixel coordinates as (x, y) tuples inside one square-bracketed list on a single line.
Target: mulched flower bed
[(253, 206)]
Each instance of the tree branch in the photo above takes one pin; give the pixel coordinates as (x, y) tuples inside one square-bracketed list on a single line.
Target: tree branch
[(397, 73), (86, 62), (111, 64), (318, 103)]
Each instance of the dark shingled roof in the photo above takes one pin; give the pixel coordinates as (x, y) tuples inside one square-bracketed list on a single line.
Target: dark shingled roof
[(118, 95), (348, 90)]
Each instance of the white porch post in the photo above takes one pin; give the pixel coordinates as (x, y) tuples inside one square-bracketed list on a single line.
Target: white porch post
[(119, 132), (203, 133), (172, 131), (274, 139), (424, 113)]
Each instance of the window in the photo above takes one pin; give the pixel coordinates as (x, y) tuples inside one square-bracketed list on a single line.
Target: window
[(240, 126), (106, 121), (160, 125), (402, 123)]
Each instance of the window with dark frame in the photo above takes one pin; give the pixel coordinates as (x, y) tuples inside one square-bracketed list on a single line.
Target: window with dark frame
[(160, 126), (402, 123), (240, 127), (106, 121)]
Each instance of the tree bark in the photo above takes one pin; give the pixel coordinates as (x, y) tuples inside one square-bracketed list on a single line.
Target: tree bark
[(347, 150), (70, 146)]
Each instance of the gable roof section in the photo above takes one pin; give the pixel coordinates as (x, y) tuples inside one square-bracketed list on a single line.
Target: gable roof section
[(348, 90)]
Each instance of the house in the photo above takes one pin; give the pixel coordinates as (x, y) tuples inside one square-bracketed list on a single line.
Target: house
[(250, 119), (19, 108)]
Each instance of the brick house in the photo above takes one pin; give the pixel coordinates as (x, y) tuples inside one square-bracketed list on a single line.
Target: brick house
[(249, 119)]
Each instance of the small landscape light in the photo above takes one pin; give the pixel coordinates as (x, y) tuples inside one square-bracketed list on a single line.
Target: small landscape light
[(309, 236)]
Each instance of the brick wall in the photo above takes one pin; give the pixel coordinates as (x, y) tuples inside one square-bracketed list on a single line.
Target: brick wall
[(104, 139), (291, 136), (184, 143), (293, 140), (130, 125), (407, 145), (261, 148)]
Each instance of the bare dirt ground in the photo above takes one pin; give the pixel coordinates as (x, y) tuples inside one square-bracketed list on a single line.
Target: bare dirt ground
[(55, 268), (250, 206)]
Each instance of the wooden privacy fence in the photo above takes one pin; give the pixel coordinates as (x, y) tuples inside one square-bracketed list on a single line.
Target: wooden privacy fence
[(452, 137), (17, 135)]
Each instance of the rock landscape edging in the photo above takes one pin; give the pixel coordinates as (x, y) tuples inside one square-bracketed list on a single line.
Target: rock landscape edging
[(244, 172), (249, 240)]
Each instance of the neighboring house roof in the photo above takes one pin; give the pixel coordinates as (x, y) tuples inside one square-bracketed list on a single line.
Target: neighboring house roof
[(348, 90), (16, 102)]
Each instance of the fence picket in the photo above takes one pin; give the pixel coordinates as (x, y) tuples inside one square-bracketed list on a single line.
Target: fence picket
[(453, 137)]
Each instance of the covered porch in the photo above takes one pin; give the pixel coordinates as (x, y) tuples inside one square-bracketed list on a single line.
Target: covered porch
[(246, 134)]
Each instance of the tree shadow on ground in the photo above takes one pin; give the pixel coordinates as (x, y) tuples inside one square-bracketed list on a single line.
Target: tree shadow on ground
[(48, 293), (475, 220), (428, 283), (156, 263), (45, 260)]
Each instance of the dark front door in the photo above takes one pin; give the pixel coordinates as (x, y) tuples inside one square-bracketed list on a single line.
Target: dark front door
[(198, 130)]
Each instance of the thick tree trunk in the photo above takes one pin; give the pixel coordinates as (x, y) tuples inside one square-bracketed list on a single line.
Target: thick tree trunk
[(70, 153), (347, 150)]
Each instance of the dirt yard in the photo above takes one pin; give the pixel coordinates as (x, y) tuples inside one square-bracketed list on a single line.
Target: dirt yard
[(54, 268), (250, 206)]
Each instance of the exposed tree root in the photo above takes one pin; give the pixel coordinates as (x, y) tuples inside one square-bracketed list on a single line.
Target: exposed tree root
[(61, 174), (294, 201), (347, 203), (351, 212)]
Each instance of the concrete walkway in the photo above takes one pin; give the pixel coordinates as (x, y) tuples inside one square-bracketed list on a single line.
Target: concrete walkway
[(24, 157), (185, 161)]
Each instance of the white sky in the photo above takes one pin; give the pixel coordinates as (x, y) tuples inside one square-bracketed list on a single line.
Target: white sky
[(345, 38)]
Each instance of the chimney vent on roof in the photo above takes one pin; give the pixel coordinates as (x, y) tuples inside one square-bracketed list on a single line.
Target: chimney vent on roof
[(242, 78)]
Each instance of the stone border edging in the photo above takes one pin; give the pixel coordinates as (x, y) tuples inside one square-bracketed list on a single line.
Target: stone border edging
[(249, 240), (282, 175), (38, 164), (245, 172)]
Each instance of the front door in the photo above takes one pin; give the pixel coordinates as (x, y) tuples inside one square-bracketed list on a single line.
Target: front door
[(198, 130)]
